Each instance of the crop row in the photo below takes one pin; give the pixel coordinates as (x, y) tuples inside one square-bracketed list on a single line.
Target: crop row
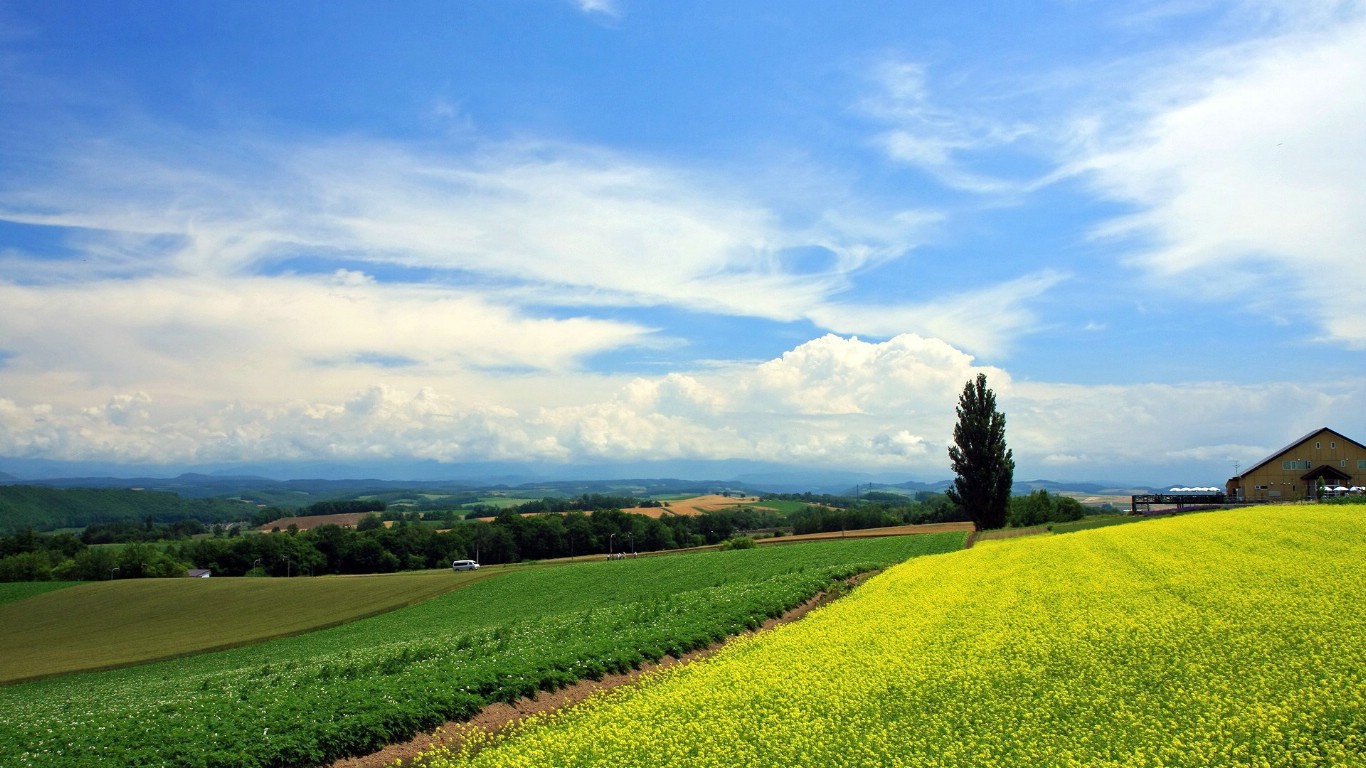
[(310, 699), (1218, 639)]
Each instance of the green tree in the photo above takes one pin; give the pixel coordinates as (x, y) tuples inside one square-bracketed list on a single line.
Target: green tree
[(984, 467), (92, 564), (1035, 509), (26, 566)]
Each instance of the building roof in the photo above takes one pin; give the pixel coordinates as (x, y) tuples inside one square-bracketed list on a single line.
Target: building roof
[(1277, 454)]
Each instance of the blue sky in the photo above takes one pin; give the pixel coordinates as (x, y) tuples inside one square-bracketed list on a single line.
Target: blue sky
[(574, 233)]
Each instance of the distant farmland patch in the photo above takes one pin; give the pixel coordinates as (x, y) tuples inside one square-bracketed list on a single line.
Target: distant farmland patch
[(696, 505), (348, 520), (500, 502)]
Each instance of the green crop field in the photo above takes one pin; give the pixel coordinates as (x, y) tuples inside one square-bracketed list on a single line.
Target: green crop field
[(308, 699), (499, 502), (1229, 638), (18, 590), (781, 505), (116, 623)]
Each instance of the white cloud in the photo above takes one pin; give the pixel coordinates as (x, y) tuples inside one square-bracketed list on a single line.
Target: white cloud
[(1250, 175), (192, 326), (902, 443), (931, 137), (1061, 460), (604, 7), (1197, 430), (227, 297), (529, 225), (834, 402), (982, 318), (835, 375), (545, 224), (255, 338)]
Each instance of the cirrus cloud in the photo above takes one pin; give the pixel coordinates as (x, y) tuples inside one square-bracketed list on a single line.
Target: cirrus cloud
[(1249, 184)]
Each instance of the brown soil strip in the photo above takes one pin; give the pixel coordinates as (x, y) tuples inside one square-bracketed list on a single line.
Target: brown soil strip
[(499, 715)]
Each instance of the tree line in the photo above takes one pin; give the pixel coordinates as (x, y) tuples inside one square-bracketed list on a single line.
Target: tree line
[(413, 540), (41, 508)]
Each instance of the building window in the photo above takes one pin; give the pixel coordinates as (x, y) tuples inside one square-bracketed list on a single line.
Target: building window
[(1344, 464), (1361, 463), (1333, 445), (1317, 445), (1296, 464)]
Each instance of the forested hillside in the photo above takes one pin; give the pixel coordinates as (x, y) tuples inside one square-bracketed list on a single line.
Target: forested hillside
[(45, 509)]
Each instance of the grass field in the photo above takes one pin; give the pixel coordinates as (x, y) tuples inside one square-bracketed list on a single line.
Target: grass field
[(1094, 521), (1227, 638), (116, 623), (308, 699), (1071, 526)]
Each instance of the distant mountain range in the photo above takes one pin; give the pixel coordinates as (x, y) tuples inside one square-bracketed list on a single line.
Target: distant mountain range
[(301, 491)]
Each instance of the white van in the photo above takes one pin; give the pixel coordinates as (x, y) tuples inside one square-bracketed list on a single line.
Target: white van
[(464, 565)]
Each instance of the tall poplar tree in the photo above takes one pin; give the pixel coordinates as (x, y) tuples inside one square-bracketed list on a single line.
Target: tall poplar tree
[(983, 465)]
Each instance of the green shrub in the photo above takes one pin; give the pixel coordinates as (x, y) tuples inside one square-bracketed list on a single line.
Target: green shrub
[(1041, 507)]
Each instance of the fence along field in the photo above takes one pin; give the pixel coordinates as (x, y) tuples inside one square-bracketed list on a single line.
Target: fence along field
[(1231, 638), (309, 699)]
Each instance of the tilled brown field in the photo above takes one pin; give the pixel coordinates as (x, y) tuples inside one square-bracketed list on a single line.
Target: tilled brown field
[(695, 505)]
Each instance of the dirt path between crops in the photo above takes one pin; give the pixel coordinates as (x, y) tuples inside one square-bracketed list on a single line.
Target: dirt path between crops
[(495, 716)]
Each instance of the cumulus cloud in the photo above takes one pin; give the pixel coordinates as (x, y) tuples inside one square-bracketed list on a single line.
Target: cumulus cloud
[(832, 399), (836, 402), (1198, 430)]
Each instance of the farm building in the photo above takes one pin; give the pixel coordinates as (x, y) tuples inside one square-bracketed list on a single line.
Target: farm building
[(1295, 471)]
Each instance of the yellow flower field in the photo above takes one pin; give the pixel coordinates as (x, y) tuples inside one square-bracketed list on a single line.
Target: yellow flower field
[(1229, 638)]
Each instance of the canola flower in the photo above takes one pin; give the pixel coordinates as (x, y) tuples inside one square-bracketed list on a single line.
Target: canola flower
[(1230, 638)]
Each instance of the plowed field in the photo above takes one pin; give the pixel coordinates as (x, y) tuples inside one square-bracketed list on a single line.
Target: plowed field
[(696, 505)]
